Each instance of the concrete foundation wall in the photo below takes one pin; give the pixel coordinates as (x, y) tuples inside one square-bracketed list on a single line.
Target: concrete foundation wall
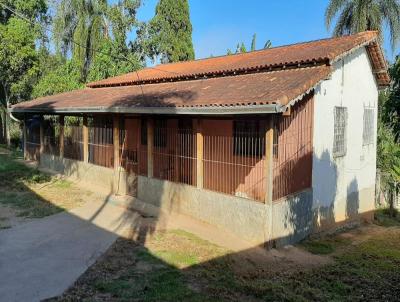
[(248, 219), (97, 178)]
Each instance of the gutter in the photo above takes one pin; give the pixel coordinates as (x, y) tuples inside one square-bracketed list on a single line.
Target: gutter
[(210, 110)]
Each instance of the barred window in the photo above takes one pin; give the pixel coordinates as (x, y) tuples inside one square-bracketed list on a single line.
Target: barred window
[(248, 138), (340, 125), (368, 128)]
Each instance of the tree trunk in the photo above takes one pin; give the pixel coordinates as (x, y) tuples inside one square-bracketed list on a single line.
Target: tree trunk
[(7, 124)]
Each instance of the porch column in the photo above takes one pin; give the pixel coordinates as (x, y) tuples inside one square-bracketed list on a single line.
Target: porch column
[(85, 135), (41, 135), (150, 147), (269, 146), (61, 136), (25, 133), (199, 153), (116, 142)]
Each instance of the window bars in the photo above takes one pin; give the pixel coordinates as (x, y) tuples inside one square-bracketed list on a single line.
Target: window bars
[(73, 138), (234, 164), (174, 155), (33, 138), (101, 146), (340, 132), (51, 135), (368, 126)]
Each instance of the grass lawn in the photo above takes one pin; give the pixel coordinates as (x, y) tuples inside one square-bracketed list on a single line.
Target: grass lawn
[(178, 266), (26, 192)]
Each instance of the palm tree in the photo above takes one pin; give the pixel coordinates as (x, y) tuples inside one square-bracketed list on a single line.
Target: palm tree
[(79, 29), (360, 15)]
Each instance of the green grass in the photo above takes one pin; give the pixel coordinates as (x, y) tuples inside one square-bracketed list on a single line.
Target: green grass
[(324, 246), (15, 181), (383, 218), (366, 271)]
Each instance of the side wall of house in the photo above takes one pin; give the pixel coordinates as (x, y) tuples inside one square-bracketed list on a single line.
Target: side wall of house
[(344, 187)]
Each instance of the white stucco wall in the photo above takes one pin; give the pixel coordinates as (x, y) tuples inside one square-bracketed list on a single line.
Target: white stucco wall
[(345, 185)]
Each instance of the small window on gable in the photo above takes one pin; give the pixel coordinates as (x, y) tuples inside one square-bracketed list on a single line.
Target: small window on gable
[(248, 138), (368, 127), (340, 132)]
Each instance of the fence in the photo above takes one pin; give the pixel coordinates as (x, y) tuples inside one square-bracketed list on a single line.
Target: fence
[(234, 164), (174, 156), (101, 146), (293, 151), (33, 139), (51, 135), (73, 142)]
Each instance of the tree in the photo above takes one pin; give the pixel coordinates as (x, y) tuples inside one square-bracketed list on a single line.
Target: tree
[(388, 162), (64, 77), (18, 63), (170, 32), (253, 43), (268, 44), (79, 27), (354, 16), (18, 56)]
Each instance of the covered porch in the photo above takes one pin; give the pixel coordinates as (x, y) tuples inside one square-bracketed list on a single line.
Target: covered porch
[(261, 157)]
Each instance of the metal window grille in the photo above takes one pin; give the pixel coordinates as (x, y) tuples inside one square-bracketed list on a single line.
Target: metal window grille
[(33, 138), (247, 131), (51, 135), (340, 132), (234, 164), (73, 138), (174, 155), (368, 126)]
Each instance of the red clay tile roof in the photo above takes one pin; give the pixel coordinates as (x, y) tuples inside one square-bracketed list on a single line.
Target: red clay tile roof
[(273, 76), (320, 51), (277, 87)]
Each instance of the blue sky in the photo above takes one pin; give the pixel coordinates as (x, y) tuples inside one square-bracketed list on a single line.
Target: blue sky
[(221, 24)]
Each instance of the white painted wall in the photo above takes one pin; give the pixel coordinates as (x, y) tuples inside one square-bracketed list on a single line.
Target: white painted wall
[(345, 184)]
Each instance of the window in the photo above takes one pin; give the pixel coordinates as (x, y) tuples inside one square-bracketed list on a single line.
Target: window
[(143, 131), (248, 138), (340, 125), (368, 127)]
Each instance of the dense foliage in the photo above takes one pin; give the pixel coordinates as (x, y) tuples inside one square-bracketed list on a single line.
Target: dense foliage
[(170, 32), (354, 16)]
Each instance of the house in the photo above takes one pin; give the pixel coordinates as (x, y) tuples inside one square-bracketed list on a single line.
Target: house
[(271, 145)]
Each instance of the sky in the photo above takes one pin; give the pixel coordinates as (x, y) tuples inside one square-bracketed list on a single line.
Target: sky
[(221, 24)]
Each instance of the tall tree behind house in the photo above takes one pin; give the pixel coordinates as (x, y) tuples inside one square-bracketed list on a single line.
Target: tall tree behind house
[(170, 32), (18, 55), (353, 16)]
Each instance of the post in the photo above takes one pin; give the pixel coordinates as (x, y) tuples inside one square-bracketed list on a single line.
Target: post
[(41, 135), (269, 149), (116, 142), (61, 136), (85, 139), (25, 132), (199, 153), (150, 146)]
